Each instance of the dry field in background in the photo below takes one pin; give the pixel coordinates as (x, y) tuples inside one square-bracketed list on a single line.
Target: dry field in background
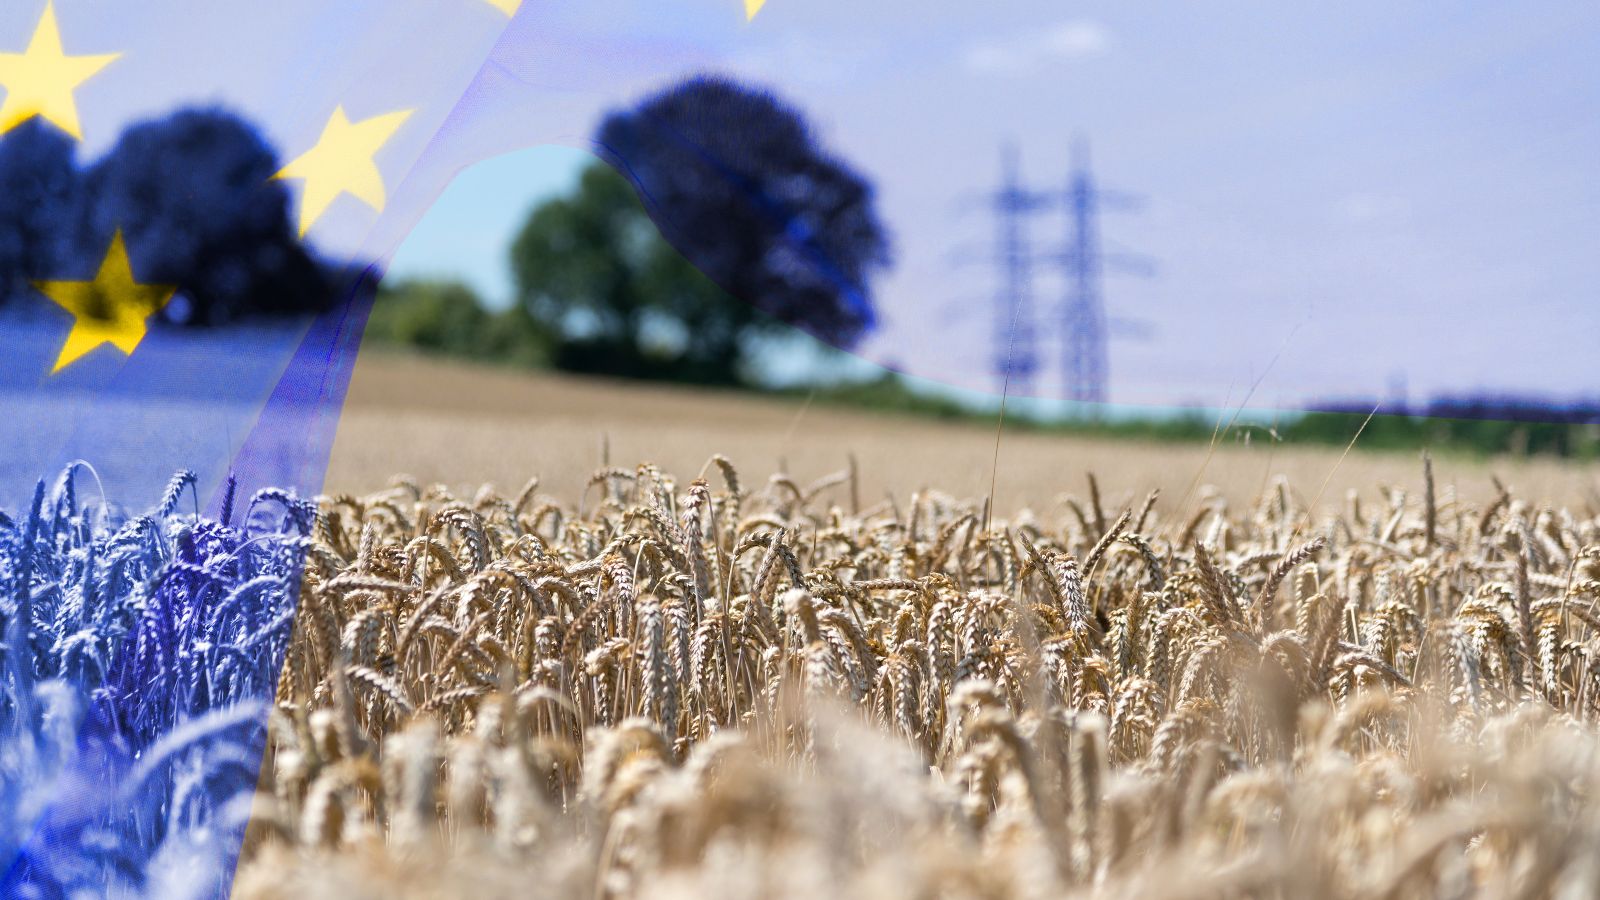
[(465, 425)]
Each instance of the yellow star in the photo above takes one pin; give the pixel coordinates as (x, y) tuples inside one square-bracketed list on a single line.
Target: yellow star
[(111, 309), (40, 80), (341, 163), (751, 7), (509, 7)]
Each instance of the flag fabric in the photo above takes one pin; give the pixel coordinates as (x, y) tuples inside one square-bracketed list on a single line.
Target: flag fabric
[(349, 95), (150, 587)]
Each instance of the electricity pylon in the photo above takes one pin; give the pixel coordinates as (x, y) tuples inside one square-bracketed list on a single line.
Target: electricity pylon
[(1085, 362), (1016, 347), (1083, 263)]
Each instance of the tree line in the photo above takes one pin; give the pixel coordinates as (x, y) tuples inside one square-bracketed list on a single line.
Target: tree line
[(193, 195), (712, 223)]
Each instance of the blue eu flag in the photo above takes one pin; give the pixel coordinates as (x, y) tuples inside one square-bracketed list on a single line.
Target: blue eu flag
[(195, 202)]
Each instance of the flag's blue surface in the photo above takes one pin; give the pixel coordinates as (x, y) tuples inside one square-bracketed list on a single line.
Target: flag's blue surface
[(197, 199), (190, 397)]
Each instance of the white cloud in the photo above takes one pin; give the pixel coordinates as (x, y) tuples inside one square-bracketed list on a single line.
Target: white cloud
[(1025, 51)]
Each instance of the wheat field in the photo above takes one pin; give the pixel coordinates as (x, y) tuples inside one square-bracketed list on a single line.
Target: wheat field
[(465, 425), (714, 681)]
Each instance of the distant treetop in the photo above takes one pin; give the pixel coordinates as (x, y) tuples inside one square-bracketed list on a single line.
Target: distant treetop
[(191, 193), (736, 180)]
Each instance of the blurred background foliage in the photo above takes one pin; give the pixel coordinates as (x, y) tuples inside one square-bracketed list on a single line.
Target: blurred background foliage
[(749, 232), (192, 193), (447, 317), (595, 275)]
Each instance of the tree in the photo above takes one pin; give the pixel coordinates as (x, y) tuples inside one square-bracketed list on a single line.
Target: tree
[(438, 316), (447, 317), (40, 187), (614, 298), (194, 197), (748, 206)]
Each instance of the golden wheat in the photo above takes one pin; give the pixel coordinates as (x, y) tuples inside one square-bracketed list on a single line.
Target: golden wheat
[(668, 690)]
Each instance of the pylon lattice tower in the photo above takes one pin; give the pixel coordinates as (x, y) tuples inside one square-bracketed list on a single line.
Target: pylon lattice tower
[(1085, 327), (1082, 261), (1016, 352), (1084, 351)]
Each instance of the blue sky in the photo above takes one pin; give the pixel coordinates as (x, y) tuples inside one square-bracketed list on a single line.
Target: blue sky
[(467, 232), (1334, 194)]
